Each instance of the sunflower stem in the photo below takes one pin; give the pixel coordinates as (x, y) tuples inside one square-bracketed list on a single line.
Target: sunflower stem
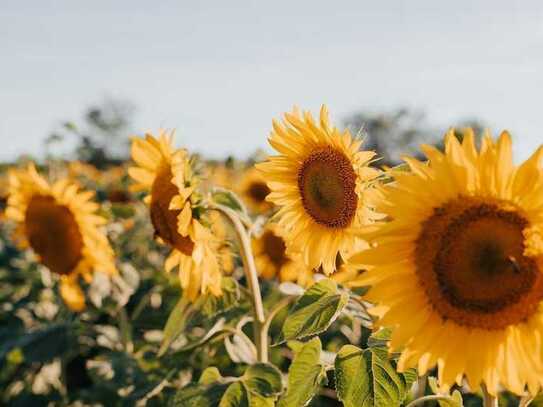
[(488, 399), (259, 323), (421, 386), (525, 400)]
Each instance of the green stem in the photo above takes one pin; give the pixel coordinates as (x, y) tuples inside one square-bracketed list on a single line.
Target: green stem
[(126, 330), (259, 323), (421, 386)]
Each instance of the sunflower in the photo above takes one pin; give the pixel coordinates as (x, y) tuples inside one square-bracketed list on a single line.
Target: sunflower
[(319, 180), (176, 214), (458, 271), (254, 190), (60, 225), (272, 259)]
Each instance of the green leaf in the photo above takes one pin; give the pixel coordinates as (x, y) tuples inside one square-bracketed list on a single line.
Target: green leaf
[(256, 400), (258, 387), (305, 374), (228, 198), (212, 306), (314, 312), (263, 379), (235, 396), (41, 345), (215, 333), (174, 325), (199, 395), (367, 378), (455, 399), (380, 338), (210, 375), (408, 377)]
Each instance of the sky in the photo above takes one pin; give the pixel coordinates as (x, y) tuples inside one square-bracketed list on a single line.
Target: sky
[(219, 71)]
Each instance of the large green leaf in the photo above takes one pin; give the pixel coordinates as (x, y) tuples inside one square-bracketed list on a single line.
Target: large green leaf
[(174, 325), (263, 379), (367, 378), (235, 396), (305, 374), (207, 307), (260, 386), (210, 375), (198, 395), (314, 312)]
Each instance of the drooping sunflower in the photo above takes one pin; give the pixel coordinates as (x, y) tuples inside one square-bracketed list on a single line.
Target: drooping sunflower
[(319, 179), (60, 225), (176, 215), (458, 271), (273, 261), (254, 190)]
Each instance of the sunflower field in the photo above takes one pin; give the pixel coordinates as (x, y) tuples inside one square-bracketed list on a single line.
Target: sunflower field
[(321, 274)]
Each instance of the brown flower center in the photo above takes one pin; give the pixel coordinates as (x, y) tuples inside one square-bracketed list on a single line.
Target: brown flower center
[(274, 248), (327, 184), (53, 233), (258, 191), (165, 220), (470, 258)]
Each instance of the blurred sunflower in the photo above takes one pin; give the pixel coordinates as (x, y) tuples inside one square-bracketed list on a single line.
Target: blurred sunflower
[(60, 225), (458, 271), (80, 169), (254, 190), (319, 180), (220, 175), (176, 214), (272, 260)]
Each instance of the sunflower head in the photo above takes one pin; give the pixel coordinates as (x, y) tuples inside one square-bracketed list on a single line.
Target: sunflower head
[(59, 224), (273, 260), (178, 218), (254, 191), (459, 267), (319, 180)]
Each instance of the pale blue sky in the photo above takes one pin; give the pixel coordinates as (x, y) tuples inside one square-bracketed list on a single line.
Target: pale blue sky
[(220, 71)]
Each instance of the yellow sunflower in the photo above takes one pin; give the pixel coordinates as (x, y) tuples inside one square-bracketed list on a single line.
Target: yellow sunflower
[(176, 216), (319, 180), (458, 271), (60, 225), (272, 259), (254, 190)]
